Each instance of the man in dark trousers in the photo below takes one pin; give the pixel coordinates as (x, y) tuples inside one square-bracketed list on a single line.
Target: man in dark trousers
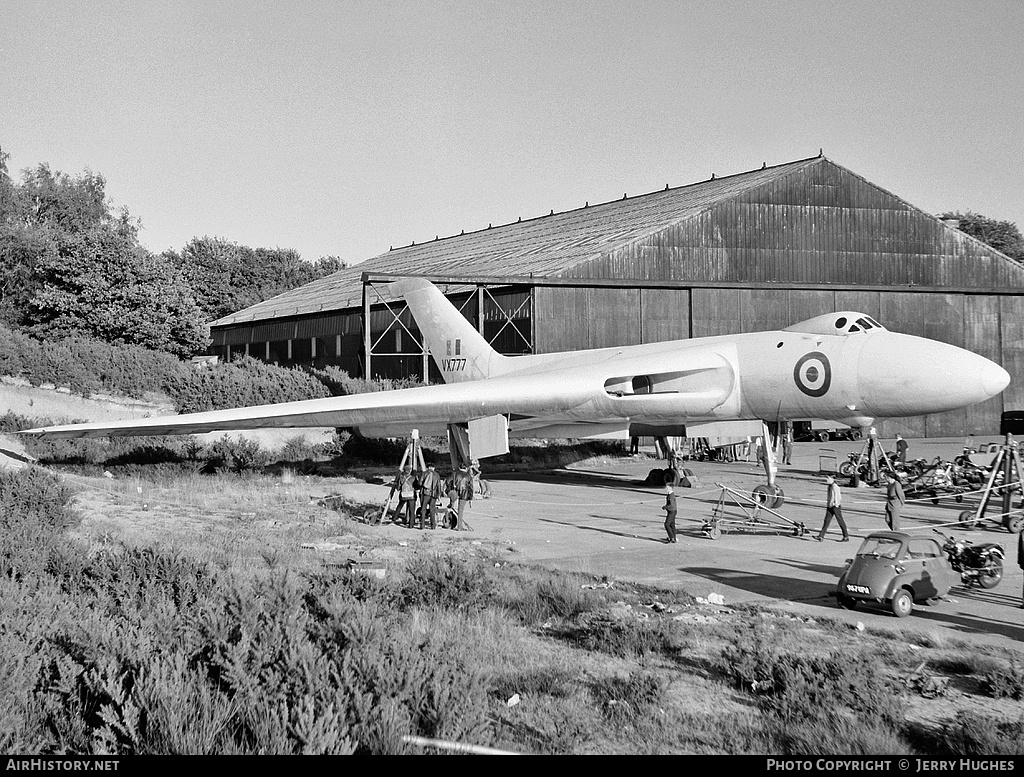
[(405, 487), (463, 483), (670, 512), (1020, 561), (787, 445), (894, 501), (833, 508), (901, 450), (430, 489)]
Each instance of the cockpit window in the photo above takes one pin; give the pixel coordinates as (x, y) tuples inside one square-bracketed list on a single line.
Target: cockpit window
[(865, 323), (853, 328), (840, 322), (875, 323)]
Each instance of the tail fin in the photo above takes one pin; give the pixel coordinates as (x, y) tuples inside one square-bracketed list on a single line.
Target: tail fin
[(459, 350)]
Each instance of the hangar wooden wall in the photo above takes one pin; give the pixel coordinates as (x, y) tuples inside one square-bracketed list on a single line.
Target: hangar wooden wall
[(992, 326)]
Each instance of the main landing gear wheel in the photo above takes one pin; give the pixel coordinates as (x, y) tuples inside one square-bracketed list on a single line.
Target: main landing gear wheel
[(769, 496), (967, 518), (902, 603)]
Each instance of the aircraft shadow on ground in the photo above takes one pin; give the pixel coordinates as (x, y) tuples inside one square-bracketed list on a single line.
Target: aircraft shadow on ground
[(639, 532), (578, 478)]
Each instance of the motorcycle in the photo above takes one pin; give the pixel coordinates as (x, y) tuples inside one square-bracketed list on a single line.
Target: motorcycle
[(981, 564)]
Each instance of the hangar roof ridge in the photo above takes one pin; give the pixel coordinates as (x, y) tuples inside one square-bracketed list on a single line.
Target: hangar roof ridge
[(588, 206)]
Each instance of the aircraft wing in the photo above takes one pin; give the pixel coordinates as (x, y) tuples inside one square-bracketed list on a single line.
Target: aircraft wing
[(572, 393)]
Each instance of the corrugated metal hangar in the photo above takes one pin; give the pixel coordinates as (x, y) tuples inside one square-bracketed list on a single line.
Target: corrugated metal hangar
[(757, 250)]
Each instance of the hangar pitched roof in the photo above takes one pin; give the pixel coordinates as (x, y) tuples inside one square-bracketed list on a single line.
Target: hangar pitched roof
[(545, 246)]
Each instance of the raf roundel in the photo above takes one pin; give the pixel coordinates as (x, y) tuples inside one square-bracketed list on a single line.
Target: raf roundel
[(813, 374)]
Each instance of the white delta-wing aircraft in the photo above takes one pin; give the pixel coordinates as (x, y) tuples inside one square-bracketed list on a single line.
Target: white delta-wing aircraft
[(842, 366)]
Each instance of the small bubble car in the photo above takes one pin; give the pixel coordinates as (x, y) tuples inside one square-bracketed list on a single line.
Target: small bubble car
[(896, 569)]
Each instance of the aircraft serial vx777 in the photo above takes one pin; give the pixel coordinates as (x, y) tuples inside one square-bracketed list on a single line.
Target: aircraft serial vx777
[(841, 366)]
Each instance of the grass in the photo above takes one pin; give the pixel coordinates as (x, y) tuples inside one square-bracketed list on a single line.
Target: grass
[(181, 614)]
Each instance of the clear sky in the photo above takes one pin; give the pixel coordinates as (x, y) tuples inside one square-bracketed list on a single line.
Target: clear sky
[(342, 127)]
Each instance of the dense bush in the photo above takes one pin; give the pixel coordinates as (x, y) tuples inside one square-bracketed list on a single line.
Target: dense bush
[(340, 383), (1005, 682), (373, 450), (838, 704), (88, 367), (974, 734), (536, 597), (135, 651), (241, 454), (622, 636), (35, 509), (244, 382), (445, 581)]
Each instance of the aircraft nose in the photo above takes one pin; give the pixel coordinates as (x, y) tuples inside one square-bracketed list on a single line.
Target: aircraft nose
[(904, 375), (993, 378)]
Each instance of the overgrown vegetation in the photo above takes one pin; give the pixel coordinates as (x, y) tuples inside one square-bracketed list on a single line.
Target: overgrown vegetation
[(111, 647)]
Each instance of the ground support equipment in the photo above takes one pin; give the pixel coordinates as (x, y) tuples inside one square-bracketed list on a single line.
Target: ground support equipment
[(414, 457), (1006, 467), (940, 477), (755, 516)]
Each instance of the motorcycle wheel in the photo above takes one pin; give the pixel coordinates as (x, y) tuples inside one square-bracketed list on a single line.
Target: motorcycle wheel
[(990, 575), (902, 603), (847, 468)]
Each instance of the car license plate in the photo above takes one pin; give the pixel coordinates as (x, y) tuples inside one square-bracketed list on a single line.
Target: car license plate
[(858, 589)]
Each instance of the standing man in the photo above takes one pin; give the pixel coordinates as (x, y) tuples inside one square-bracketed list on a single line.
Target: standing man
[(787, 445), (451, 512), (430, 490), (833, 508), (1020, 560), (464, 491), (901, 450), (670, 512), (405, 487), (634, 446), (894, 501)]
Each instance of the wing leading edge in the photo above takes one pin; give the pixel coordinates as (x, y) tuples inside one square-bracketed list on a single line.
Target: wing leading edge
[(572, 394)]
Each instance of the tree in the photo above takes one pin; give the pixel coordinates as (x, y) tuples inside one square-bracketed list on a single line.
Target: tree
[(226, 277), (1001, 235), (101, 283), (6, 188)]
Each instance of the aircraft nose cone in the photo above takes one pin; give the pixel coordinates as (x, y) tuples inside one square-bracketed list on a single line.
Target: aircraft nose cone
[(904, 375), (993, 378)]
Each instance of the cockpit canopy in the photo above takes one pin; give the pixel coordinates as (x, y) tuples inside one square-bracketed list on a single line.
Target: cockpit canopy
[(844, 322)]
